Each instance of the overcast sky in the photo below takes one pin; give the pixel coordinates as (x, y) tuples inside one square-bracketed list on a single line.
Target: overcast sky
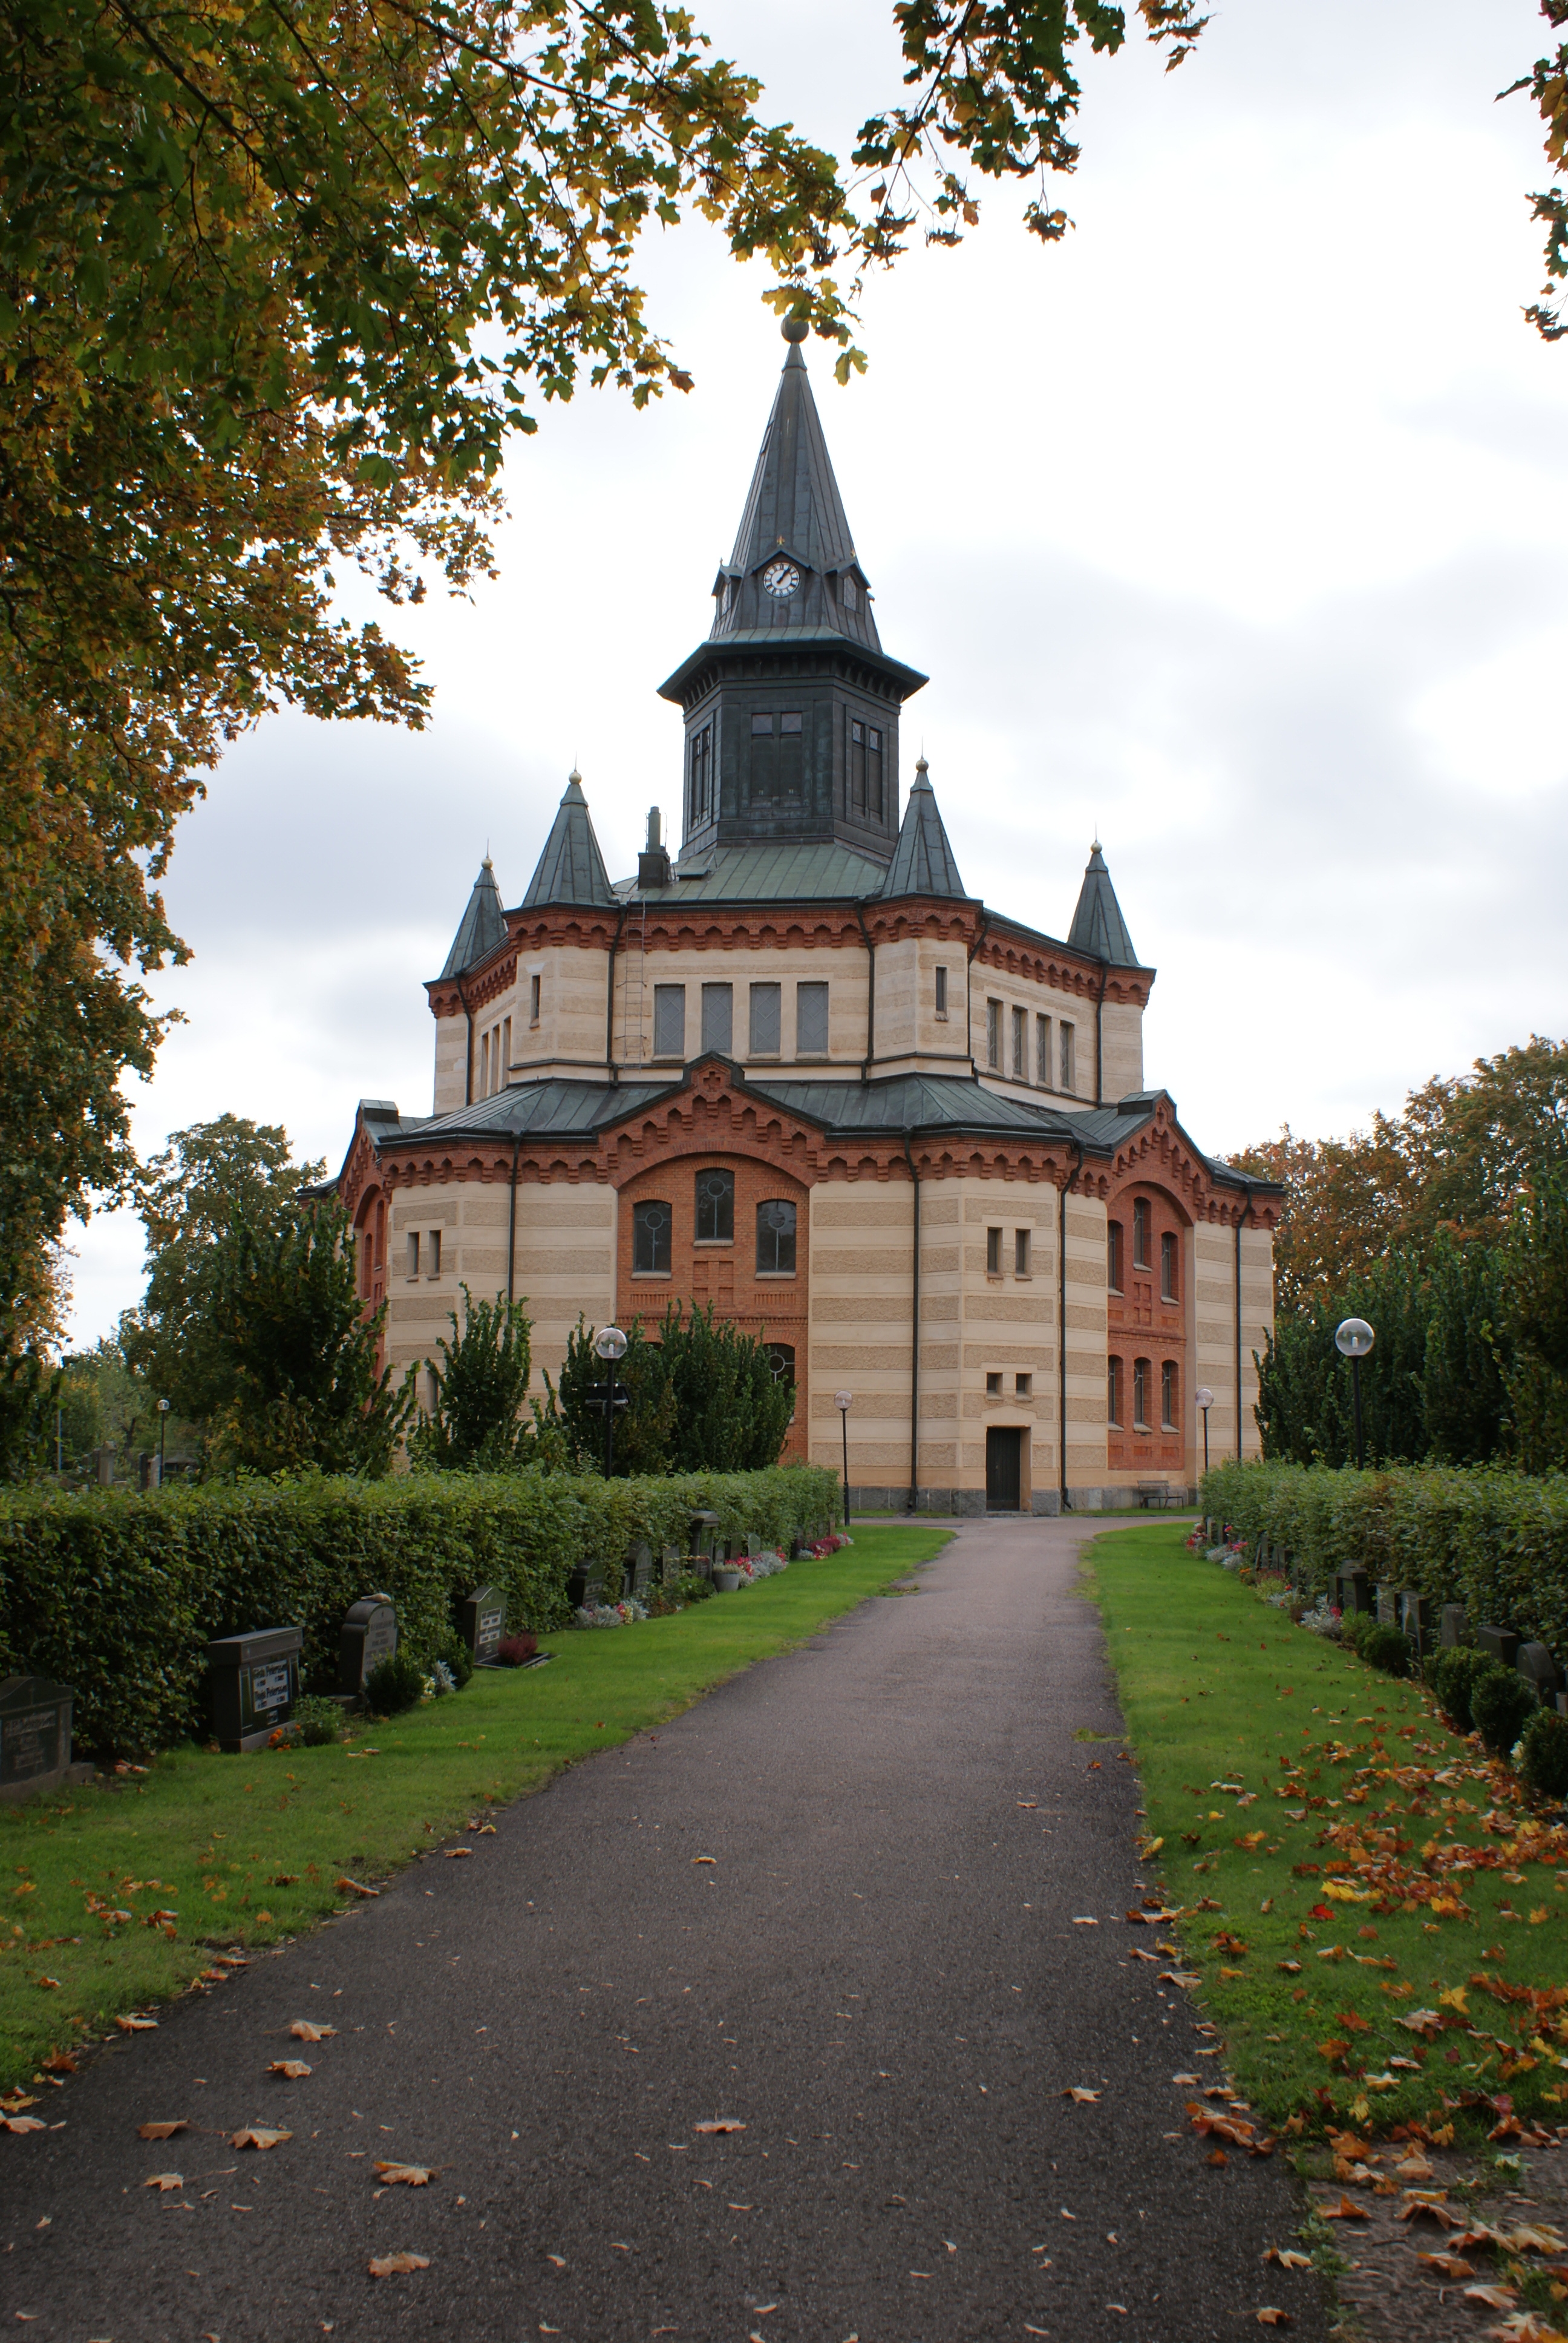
[(1233, 528)]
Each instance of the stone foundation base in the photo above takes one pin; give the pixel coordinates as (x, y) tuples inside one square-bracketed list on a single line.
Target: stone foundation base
[(1045, 1504)]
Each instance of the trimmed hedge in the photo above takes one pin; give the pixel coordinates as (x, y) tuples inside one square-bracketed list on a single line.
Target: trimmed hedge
[(1495, 1541), (117, 1594)]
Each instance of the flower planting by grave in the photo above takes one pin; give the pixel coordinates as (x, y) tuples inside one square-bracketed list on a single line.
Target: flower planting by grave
[(1368, 1905), (122, 1893)]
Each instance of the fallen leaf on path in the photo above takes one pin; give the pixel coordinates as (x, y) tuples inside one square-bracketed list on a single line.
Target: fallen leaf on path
[(705, 1858), (724, 2123), (558, 2260), (1191, 2080), (254, 2136), (136, 2025), (1083, 1920), (22, 2123), (1492, 2298), (355, 1888), (416, 2175), (1080, 2098), (397, 2265), (1219, 2156), (1527, 2327), (1288, 2258), (303, 2031), (58, 2061), (1347, 2209), (295, 2069), (1414, 2207), (164, 2180), (456, 1853), (1271, 2317), (14, 2101), (1447, 2264), (161, 2130)]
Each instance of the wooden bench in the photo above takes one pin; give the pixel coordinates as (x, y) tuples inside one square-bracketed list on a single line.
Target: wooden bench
[(1148, 1492)]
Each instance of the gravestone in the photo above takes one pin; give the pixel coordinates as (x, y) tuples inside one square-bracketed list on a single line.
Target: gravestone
[(36, 1737), (585, 1587), (703, 1534), (1455, 1625), (252, 1685), (1352, 1590), (368, 1635), (1415, 1617), (482, 1623), (1499, 1644), (640, 1571), (670, 1564), (103, 1467), (1387, 1602), (1537, 1666)]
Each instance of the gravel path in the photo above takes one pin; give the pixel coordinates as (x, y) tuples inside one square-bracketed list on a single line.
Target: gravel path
[(834, 1905)]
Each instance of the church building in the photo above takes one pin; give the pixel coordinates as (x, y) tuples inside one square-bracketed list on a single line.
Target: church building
[(798, 1070)]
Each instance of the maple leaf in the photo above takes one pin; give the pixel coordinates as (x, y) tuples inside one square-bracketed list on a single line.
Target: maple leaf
[(1346, 2209), (303, 2031), (164, 2180), (161, 2130), (1269, 2317), (415, 2175), (398, 2265), (58, 2061), (1492, 2298), (295, 2069), (1080, 2098), (1447, 2264), (456, 1853), (256, 2136), (1288, 2258), (22, 2123)]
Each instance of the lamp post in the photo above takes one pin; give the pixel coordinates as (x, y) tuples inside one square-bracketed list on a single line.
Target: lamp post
[(162, 1427), (609, 1343), (1205, 1398), (842, 1402), (1354, 1337)]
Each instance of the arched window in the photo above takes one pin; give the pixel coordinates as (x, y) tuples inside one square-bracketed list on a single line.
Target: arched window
[(1141, 1233), (776, 1239), (783, 1356), (715, 1207), (1168, 1267), (651, 1239), (1114, 1392), (1140, 1394), (1170, 1395), (1113, 1255)]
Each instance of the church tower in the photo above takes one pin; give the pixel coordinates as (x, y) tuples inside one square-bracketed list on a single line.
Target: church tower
[(792, 705)]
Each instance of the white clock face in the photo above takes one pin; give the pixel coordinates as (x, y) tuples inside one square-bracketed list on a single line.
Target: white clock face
[(781, 580)]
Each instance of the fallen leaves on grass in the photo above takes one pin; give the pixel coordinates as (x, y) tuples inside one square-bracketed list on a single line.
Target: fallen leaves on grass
[(161, 2130), (398, 2265), (258, 2135)]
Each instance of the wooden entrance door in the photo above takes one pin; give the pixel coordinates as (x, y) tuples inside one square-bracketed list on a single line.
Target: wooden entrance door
[(1004, 1469)]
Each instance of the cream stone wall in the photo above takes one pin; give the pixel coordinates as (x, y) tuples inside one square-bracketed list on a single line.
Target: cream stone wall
[(908, 1024), (569, 1037), (1008, 1327), (450, 1090), (1214, 1348), (842, 968), (988, 984), (564, 1263), (1122, 1042), (861, 1236)]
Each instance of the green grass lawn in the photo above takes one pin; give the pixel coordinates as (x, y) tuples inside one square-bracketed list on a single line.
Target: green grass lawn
[(246, 1850), (1328, 1892)]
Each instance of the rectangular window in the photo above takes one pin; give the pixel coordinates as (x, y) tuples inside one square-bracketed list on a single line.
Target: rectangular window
[(1113, 1256), (701, 773), (855, 778), (1043, 1051), (874, 772), (761, 725), (790, 720), (534, 985), (414, 1252), (1023, 1386), (435, 1253), (993, 1252), (1020, 1252), (993, 1386), (1168, 1267), (506, 1054), (810, 1021), (776, 1239), (1167, 1395), (1068, 1078), (715, 1207), (669, 1021), (484, 1065), (651, 1224), (781, 1358), (766, 1015), (1020, 1045), (719, 1017), (1114, 1392), (941, 992), (1141, 1395), (993, 1035), (1141, 1233)]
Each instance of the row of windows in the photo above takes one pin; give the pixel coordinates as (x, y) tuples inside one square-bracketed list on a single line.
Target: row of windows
[(651, 1224), (496, 1055), (863, 770), (777, 740), (1142, 1394), (1054, 1067), (1169, 1252), (1022, 1252), (429, 1252), (765, 1019)]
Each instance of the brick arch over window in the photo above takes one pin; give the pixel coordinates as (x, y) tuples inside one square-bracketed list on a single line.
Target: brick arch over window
[(775, 1308), (1150, 1320)]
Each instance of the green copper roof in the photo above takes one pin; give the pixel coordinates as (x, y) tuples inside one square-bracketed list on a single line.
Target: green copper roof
[(923, 861), (782, 871), (1097, 926), (571, 867), (482, 926)]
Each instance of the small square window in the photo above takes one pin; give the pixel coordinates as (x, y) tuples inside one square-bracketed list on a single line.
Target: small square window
[(761, 724), (790, 720), (993, 1252), (1024, 1386), (993, 1386)]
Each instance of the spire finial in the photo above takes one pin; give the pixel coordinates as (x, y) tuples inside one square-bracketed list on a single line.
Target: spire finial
[(920, 764), (795, 328)]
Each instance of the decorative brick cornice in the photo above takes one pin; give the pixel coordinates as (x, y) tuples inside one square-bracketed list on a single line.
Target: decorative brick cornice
[(1029, 959), (1159, 1155)]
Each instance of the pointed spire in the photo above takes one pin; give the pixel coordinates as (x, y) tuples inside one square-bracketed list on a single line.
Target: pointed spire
[(923, 861), (794, 529), (571, 867), (482, 926), (1097, 926)]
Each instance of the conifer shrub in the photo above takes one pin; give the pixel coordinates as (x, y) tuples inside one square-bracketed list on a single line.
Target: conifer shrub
[(395, 1684), (1501, 1703), (1453, 1674), (1384, 1646), (1544, 1754)]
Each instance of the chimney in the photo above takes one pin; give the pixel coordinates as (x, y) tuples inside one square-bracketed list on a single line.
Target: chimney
[(653, 870)]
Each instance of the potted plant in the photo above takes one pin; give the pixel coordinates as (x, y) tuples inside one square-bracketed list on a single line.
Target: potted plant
[(726, 1577)]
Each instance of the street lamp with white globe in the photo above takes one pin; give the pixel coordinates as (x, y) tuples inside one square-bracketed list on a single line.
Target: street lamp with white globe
[(1354, 1337), (610, 1346), (1205, 1398), (843, 1401)]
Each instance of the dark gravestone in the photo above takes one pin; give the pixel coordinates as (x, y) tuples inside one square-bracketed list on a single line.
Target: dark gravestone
[(1455, 1625), (36, 1737), (253, 1684), (1537, 1666), (585, 1587), (1387, 1602), (482, 1623), (1353, 1591), (704, 1534), (672, 1562), (369, 1634), (1499, 1644), (640, 1571), (1415, 1617)]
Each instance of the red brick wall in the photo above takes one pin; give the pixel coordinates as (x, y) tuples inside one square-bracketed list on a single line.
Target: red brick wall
[(1142, 1324)]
